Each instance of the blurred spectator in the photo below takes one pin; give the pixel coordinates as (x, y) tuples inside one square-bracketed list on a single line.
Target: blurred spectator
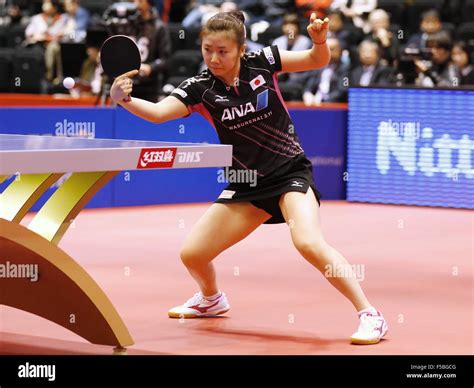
[(154, 43), (307, 7), (40, 26), (430, 24), (439, 71), (174, 11), (371, 71), (292, 84), (89, 81), (379, 22), (328, 84), (291, 39), (337, 30), (42, 31), (90, 70), (71, 27), (72, 24), (461, 58), (14, 17), (275, 10), (357, 10), (253, 46), (200, 8)]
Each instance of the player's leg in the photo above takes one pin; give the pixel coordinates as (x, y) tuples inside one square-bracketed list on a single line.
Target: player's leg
[(301, 213), (222, 226)]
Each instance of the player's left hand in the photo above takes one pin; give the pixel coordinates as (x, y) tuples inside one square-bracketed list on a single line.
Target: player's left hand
[(318, 29)]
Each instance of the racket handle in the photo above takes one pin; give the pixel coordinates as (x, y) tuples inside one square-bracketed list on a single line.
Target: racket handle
[(127, 99)]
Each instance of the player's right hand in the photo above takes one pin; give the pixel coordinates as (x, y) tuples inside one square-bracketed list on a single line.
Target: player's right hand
[(122, 87)]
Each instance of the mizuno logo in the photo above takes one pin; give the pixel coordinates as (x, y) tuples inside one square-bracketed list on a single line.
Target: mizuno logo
[(297, 184), (221, 98), (203, 309)]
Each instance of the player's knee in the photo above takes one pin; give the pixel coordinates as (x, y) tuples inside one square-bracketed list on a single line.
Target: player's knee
[(190, 256), (187, 256)]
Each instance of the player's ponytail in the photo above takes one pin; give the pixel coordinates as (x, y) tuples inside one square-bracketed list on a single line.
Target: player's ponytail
[(239, 15), (233, 22)]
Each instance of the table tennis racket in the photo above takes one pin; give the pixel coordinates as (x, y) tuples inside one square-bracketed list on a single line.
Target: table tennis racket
[(119, 54)]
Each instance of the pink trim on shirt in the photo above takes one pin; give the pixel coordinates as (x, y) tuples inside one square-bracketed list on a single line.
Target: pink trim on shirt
[(201, 109), (277, 89)]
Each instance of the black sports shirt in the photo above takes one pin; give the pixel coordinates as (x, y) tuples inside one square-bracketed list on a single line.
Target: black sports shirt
[(251, 115)]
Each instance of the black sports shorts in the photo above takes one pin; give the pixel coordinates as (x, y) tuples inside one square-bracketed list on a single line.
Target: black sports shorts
[(296, 175)]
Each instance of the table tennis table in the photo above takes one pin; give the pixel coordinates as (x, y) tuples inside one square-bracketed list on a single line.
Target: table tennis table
[(38, 162)]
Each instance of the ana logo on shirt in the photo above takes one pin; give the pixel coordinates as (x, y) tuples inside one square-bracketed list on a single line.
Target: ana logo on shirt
[(243, 110)]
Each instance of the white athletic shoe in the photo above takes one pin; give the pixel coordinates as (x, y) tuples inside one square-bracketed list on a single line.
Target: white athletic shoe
[(198, 306), (371, 329)]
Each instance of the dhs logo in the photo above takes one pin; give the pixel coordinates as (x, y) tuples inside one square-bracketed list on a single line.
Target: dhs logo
[(189, 157), (243, 110), (156, 158)]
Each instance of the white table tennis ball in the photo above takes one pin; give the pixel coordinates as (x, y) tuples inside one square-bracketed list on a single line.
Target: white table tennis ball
[(68, 82)]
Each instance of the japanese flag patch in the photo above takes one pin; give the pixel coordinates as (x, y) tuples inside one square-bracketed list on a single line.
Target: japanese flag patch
[(257, 82)]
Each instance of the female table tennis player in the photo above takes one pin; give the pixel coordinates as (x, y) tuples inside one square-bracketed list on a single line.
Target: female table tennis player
[(238, 94)]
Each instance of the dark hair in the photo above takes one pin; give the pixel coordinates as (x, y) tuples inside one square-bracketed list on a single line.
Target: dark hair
[(227, 22), (55, 4), (463, 46), (292, 18), (431, 13), (338, 13), (371, 41), (440, 39)]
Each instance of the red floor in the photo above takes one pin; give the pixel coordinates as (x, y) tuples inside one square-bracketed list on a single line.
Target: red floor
[(280, 304)]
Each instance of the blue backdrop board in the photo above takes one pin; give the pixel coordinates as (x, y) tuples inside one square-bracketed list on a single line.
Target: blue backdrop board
[(83, 122), (323, 137), (411, 146)]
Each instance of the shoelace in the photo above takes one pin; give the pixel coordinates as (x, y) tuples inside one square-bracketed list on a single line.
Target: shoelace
[(196, 299), (369, 322)]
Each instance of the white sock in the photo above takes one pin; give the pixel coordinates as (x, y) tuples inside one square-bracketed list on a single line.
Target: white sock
[(213, 297), (370, 309)]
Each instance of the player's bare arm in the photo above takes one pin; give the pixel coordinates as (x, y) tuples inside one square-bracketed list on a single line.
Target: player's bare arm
[(167, 109), (315, 58)]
